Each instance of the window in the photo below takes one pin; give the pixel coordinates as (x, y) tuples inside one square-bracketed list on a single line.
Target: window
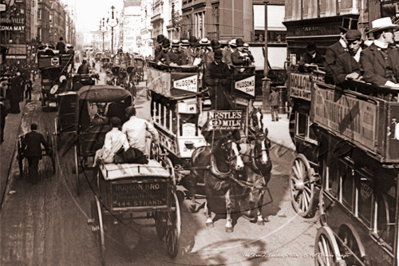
[(364, 195), (199, 25), (347, 185), (39, 33), (40, 14), (301, 125)]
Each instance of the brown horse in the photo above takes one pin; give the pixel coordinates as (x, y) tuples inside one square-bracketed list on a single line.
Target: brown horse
[(215, 167), (256, 173)]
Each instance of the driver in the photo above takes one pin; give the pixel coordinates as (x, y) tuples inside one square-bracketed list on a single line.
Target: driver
[(135, 129)]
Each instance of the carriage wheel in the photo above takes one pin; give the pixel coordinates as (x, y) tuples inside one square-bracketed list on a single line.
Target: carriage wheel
[(20, 158), (351, 244), (98, 227), (161, 224), (174, 229), (77, 170), (326, 249), (50, 142), (167, 162), (302, 189)]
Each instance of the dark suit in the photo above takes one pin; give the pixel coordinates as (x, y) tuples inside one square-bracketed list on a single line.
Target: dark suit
[(237, 59), (176, 57), (83, 69), (330, 58), (345, 65), (162, 57), (220, 71), (374, 65), (227, 57), (61, 47), (31, 146), (158, 50)]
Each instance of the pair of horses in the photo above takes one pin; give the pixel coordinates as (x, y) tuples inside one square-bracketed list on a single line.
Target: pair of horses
[(237, 178)]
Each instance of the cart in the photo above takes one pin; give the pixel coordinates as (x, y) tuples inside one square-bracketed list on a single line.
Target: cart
[(347, 165), (90, 133), (23, 169), (129, 192)]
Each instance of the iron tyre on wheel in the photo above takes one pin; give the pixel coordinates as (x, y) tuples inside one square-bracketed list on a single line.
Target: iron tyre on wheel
[(174, 229), (98, 227), (326, 249)]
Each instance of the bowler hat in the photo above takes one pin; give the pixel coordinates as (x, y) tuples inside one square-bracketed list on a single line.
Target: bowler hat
[(239, 42), (166, 43), (215, 44), (192, 40), (382, 24), (353, 35), (311, 47), (160, 38), (218, 54)]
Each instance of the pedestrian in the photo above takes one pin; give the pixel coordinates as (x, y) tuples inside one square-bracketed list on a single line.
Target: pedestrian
[(32, 150), (136, 131), (3, 114), (28, 91), (274, 101), (13, 95)]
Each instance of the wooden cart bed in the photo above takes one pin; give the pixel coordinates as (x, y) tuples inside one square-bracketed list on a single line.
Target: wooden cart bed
[(112, 171)]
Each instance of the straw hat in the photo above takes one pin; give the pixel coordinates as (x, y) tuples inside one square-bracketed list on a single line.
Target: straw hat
[(382, 24), (205, 42)]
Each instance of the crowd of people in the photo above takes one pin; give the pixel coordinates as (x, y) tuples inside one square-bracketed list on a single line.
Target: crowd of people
[(352, 58)]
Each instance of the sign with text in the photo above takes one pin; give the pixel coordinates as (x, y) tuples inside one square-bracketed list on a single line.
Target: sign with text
[(246, 85), (187, 84), (225, 120), (139, 194), (158, 81), (346, 115)]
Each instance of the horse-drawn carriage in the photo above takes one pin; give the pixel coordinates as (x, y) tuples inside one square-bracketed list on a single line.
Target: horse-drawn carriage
[(347, 165), (54, 68)]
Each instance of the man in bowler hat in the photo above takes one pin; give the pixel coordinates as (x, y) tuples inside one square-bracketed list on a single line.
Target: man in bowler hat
[(160, 39), (32, 150)]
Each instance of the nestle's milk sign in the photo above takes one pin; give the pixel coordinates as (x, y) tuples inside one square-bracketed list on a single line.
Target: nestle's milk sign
[(187, 84), (246, 85)]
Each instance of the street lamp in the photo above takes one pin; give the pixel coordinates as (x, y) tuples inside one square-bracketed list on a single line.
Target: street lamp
[(103, 29), (112, 22)]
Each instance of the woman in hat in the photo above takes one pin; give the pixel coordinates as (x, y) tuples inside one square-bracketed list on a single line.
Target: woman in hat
[(379, 61)]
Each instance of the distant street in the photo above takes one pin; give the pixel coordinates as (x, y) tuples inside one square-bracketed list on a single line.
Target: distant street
[(46, 224)]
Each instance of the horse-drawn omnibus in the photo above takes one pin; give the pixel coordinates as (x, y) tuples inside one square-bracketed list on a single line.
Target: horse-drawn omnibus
[(347, 166)]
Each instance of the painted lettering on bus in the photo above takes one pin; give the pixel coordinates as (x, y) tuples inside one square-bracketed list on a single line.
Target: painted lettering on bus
[(130, 187)]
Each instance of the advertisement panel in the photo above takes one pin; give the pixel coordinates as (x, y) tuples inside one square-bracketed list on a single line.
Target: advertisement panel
[(225, 120), (159, 81)]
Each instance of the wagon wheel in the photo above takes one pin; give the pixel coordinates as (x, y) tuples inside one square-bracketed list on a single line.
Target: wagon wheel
[(50, 142), (167, 162), (77, 169), (302, 188), (326, 249), (174, 229), (352, 245), (161, 224), (98, 227)]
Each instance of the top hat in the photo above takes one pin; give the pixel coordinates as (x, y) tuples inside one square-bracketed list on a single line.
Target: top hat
[(165, 43), (192, 40), (239, 42), (382, 24), (204, 42), (218, 54), (160, 38), (215, 44), (353, 35)]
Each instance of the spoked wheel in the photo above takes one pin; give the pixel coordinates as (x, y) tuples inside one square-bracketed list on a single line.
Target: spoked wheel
[(326, 249), (352, 247), (98, 227), (167, 162), (50, 141), (302, 189), (161, 224), (174, 229), (77, 170)]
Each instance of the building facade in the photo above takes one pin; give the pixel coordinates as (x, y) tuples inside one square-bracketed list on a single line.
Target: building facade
[(145, 44), (130, 31)]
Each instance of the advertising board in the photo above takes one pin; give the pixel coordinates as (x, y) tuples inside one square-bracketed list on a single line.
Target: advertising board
[(225, 119), (139, 194)]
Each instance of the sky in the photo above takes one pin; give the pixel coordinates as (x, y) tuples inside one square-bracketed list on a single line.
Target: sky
[(90, 12)]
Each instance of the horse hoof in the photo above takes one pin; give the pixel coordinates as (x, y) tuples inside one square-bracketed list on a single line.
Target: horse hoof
[(260, 223), (210, 225), (266, 220), (193, 208), (229, 229)]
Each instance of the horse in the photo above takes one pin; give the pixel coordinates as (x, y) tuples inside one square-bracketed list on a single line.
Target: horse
[(257, 173), (256, 121), (214, 166)]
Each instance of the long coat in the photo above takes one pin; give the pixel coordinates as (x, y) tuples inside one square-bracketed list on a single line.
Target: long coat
[(374, 65), (345, 65), (330, 58), (32, 144), (222, 72)]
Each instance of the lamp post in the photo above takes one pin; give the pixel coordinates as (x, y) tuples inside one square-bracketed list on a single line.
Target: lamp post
[(103, 29), (112, 22)]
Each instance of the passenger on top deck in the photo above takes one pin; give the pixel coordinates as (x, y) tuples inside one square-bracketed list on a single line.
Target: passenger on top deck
[(160, 39), (175, 57), (205, 52), (347, 65), (238, 57), (114, 141), (246, 51), (332, 54), (192, 51), (161, 57), (379, 61), (311, 57), (135, 129)]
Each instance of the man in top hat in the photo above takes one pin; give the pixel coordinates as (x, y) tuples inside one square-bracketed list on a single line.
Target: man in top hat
[(380, 62), (161, 57), (311, 57), (175, 57), (332, 53), (347, 65), (215, 46), (191, 52), (160, 39), (237, 57)]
